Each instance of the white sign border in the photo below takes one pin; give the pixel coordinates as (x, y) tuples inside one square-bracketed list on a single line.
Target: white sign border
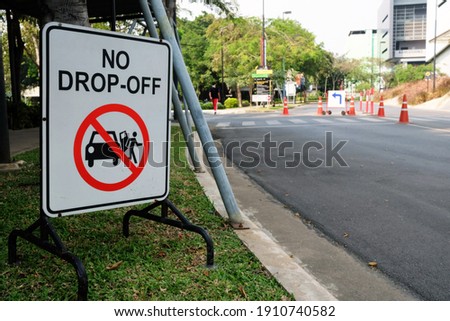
[(45, 103)]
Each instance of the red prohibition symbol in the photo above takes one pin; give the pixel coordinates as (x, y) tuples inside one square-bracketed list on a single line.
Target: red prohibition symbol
[(118, 152)]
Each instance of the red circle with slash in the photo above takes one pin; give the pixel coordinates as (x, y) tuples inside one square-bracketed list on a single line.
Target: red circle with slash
[(92, 120)]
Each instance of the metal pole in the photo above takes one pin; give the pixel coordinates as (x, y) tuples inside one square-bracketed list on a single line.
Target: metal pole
[(373, 57), (196, 111), (113, 14), (434, 54), (435, 40), (182, 118), (222, 87), (264, 40), (5, 153), (185, 128)]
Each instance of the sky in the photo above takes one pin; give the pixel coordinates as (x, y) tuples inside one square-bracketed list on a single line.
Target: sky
[(329, 20)]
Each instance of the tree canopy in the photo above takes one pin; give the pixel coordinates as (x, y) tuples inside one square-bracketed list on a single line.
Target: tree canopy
[(232, 45)]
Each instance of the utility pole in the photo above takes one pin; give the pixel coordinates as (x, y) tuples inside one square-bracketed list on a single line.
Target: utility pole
[(435, 40), (263, 41)]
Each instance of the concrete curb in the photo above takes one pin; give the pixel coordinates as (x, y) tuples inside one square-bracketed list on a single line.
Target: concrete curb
[(284, 267), (10, 167)]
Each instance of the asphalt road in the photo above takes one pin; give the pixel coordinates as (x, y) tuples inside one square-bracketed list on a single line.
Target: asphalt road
[(378, 188)]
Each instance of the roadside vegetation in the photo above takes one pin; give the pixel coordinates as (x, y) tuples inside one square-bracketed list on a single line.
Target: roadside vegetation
[(156, 262), (419, 91)]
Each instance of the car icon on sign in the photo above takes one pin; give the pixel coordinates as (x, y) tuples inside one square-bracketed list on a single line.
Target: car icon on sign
[(98, 149)]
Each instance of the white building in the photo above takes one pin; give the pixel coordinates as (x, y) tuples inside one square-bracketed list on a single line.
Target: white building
[(362, 44), (438, 34), (402, 26)]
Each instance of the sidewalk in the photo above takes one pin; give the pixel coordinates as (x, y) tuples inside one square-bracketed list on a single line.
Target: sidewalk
[(20, 141), (23, 140)]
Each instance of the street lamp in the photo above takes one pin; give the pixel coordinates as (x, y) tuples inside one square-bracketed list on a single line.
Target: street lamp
[(286, 12), (435, 36), (284, 69)]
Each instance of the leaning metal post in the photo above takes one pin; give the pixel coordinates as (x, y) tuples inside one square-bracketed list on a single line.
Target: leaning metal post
[(196, 111), (188, 135), (182, 118)]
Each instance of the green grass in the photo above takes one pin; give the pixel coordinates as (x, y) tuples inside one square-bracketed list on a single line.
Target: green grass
[(156, 262)]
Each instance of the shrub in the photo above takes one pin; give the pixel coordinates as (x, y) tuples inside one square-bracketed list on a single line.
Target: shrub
[(28, 115), (419, 98), (314, 96), (208, 106), (245, 103), (231, 103)]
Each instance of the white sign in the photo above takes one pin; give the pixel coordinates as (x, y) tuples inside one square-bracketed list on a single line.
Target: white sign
[(336, 98), (291, 89), (105, 119)]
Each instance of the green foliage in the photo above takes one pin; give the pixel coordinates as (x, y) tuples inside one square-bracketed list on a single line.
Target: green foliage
[(28, 114), (293, 47), (362, 86), (209, 105), (194, 44), (29, 73), (236, 43), (245, 103), (314, 96), (408, 73), (212, 46), (231, 103)]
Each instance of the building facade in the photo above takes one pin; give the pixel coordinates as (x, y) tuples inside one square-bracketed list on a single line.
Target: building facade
[(362, 44), (438, 34), (402, 27)]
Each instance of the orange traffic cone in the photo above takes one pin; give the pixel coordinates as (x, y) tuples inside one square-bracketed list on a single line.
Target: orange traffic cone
[(320, 107), (404, 118), (351, 111), (285, 109), (381, 108)]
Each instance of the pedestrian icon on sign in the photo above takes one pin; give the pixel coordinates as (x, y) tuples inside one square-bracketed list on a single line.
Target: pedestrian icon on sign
[(129, 144), (98, 149)]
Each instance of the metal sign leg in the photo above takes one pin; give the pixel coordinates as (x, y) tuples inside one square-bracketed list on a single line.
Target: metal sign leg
[(182, 223), (50, 241)]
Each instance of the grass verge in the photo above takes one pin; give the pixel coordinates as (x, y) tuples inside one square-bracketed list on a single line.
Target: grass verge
[(156, 262)]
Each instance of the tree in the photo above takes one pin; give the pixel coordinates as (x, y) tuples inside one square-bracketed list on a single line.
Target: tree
[(408, 73), (194, 44), (69, 11), (292, 47), (325, 64), (237, 42)]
